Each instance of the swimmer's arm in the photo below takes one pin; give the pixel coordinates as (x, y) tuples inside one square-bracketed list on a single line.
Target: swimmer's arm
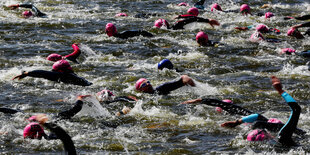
[(248, 119), (232, 124), (73, 56), (8, 110), (124, 111), (77, 108), (21, 76), (198, 100), (302, 25), (305, 17)]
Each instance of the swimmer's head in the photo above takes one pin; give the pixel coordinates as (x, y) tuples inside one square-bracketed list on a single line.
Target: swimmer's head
[(144, 85), (268, 15), (258, 135), (110, 29), (262, 28), (105, 95), (33, 130), (215, 6), (256, 37), (293, 32), (183, 4), (32, 118), (166, 63), (121, 15), (193, 11), (274, 120), (161, 22), (62, 66), (54, 57), (27, 14), (219, 109), (245, 9), (202, 38), (287, 51)]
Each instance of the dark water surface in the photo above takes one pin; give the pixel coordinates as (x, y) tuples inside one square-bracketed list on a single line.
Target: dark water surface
[(238, 70)]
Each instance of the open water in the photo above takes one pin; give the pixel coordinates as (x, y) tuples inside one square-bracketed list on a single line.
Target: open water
[(237, 69)]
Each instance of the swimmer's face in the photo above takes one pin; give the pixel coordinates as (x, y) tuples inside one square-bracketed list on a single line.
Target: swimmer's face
[(146, 86)]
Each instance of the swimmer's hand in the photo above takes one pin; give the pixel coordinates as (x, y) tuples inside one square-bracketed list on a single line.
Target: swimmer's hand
[(41, 118), (265, 6), (277, 84), (14, 6), (231, 124), (132, 97), (124, 111), (23, 75), (81, 97), (187, 80), (213, 22)]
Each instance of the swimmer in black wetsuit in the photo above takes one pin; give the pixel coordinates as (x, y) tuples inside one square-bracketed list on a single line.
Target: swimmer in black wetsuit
[(145, 86), (27, 14), (203, 40), (286, 132), (305, 17), (295, 33), (62, 72), (180, 24), (72, 57), (110, 29)]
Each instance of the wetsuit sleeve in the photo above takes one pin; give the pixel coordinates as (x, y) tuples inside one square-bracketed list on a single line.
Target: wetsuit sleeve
[(9, 111), (63, 136), (73, 56), (286, 132), (250, 119), (133, 33), (37, 12), (305, 54), (180, 24), (167, 87), (305, 17), (49, 75), (231, 108), (71, 112), (305, 24), (186, 16)]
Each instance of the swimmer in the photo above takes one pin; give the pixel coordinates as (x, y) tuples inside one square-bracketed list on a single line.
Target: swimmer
[(293, 31), (260, 28), (180, 24), (145, 86), (62, 72), (166, 63), (110, 29), (192, 12), (305, 17), (72, 57), (290, 51), (27, 14), (203, 40), (59, 132), (286, 132)]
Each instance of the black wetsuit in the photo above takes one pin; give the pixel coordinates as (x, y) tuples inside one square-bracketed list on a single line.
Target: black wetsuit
[(146, 15), (307, 24), (133, 33), (261, 121), (63, 136), (70, 78), (36, 11), (199, 4), (305, 17), (180, 24), (167, 87)]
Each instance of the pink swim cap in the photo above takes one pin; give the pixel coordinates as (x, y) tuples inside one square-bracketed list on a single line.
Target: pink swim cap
[(32, 118), (121, 15), (216, 7), (193, 11), (245, 9), (27, 14), (161, 22), (268, 15), (262, 28), (62, 66), (110, 29), (139, 82), (104, 95), (256, 36), (274, 120), (54, 57), (287, 51), (257, 135), (291, 31), (183, 4), (33, 130), (202, 38)]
